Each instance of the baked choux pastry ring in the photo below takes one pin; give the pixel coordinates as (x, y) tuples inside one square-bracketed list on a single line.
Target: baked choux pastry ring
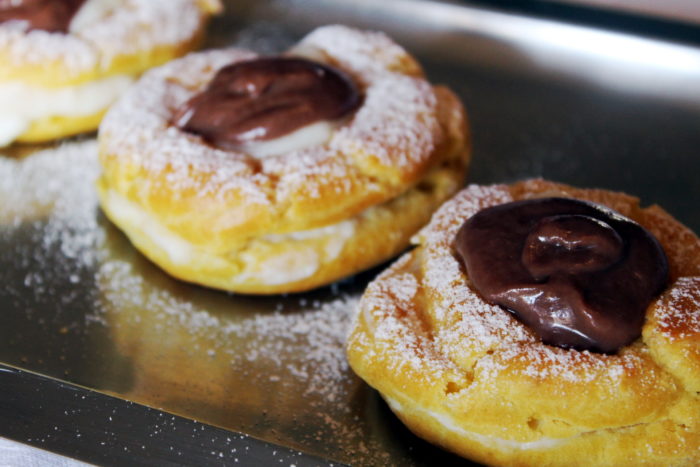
[(281, 174), (63, 62), (538, 324)]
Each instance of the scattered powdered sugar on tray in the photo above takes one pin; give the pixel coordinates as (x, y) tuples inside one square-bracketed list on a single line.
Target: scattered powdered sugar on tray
[(306, 345), (297, 348), (55, 186), (318, 333), (295, 343)]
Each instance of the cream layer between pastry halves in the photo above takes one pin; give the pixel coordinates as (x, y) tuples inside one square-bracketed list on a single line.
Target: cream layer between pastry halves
[(297, 261), (21, 104)]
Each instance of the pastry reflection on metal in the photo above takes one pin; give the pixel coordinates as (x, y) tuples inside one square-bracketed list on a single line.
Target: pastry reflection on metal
[(231, 361), (252, 364)]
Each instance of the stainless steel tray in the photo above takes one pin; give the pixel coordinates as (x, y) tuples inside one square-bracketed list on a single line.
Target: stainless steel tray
[(85, 315)]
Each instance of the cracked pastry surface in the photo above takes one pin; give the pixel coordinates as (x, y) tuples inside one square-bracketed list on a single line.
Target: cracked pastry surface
[(470, 377), (283, 220), (59, 80)]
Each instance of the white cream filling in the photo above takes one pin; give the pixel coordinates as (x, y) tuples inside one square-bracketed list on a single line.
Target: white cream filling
[(91, 12), (344, 229), (11, 126), (492, 442), (303, 260), (21, 104), (179, 250), (298, 262), (309, 52), (310, 135), (289, 266)]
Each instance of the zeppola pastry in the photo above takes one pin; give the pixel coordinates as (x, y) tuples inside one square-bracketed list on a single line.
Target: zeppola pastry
[(539, 324), (63, 62), (280, 174)]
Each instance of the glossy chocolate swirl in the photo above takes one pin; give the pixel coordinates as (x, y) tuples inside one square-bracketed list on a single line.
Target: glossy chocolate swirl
[(267, 98), (47, 15), (579, 274)]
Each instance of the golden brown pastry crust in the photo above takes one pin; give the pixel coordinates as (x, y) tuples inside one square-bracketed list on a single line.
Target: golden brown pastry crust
[(125, 43), (347, 204), (470, 377)]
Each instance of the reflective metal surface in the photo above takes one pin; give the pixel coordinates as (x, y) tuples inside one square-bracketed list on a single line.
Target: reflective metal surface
[(103, 430), (677, 10), (78, 303)]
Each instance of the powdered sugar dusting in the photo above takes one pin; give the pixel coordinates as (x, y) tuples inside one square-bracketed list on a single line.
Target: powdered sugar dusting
[(44, 47), (450, 217), (36, 188), (544, 363), (138, 25), (318, 333), (131, 26), (395, 125), (677, 314), (391, 137), (681, 245), (363, 54), (138, 129), (292, 352), (465, 326), (299, 172), (276, 361), (271, 339), (397, 334)]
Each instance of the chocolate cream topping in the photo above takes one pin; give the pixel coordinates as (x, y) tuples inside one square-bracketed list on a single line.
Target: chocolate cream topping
[(579, 274), (264, 99), (47, 15)]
